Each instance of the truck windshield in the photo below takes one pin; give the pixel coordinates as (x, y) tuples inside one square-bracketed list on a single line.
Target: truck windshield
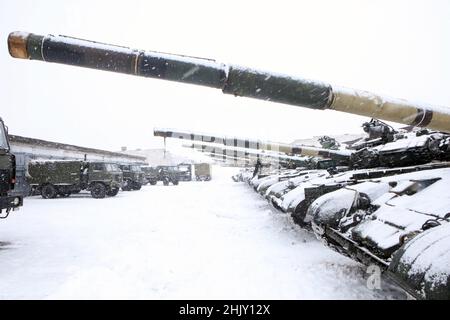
[(112, 167), (136, 168), (98, 166), (3, 137)]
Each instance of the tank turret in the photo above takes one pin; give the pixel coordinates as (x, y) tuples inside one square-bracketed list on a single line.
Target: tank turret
[(231, 79)]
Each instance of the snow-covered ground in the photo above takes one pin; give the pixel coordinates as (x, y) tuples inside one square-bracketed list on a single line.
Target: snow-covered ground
[(198, 240)]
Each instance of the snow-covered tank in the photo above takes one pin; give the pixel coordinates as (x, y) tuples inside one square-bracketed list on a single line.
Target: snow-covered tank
[(401, 223)]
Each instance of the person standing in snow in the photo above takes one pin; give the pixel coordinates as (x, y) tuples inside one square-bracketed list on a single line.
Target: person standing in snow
[(257, 167)]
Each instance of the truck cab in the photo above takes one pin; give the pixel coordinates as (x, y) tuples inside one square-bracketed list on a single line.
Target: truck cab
[(185, 172), (168, 174), (7, 175), (109, 174), (133, 177)]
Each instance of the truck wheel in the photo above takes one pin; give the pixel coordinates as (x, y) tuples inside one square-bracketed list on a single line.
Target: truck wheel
[(137, 186), (64, 194), (153, 182), (49, 191), (98, 191), (126, 187), (175, 182), (113, 192)]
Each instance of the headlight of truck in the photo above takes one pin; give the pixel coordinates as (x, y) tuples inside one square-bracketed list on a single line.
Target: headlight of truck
[(16, 201)]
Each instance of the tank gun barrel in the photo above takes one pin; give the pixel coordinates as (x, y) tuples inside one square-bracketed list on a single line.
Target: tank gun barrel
[(248, 160), (235, 152), (231, 79), (340, 155)]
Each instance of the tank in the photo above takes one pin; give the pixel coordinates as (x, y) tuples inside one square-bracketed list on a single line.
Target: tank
[(8, 201), (396, 223), (384, 211), (402, 149), (340, 157), (231, 79)]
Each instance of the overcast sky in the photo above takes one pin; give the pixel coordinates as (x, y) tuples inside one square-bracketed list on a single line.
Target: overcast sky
[(397, 48)]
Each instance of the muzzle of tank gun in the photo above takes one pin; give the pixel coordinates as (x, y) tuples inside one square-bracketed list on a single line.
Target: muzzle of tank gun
[(230, 79)]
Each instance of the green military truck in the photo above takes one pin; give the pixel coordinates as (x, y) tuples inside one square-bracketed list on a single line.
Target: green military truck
[(52, 178), (151, 175), (133, 177), (7, 175), (202, 171), (166, 174), (185, 171)]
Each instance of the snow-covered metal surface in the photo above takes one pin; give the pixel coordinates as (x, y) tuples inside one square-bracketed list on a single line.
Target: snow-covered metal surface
[(410, 140), (424, 263), (231, 79), (382, 215)]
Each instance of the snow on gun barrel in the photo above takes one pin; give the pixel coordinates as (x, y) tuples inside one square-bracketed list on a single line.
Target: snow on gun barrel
[(230, 79), (401, 149), (340, 156)]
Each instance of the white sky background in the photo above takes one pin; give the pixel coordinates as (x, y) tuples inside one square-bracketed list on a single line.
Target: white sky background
[(397, 48)]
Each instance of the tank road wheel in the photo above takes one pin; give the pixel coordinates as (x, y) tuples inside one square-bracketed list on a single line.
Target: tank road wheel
[(49, 191), (113, 192), (98, 191)]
